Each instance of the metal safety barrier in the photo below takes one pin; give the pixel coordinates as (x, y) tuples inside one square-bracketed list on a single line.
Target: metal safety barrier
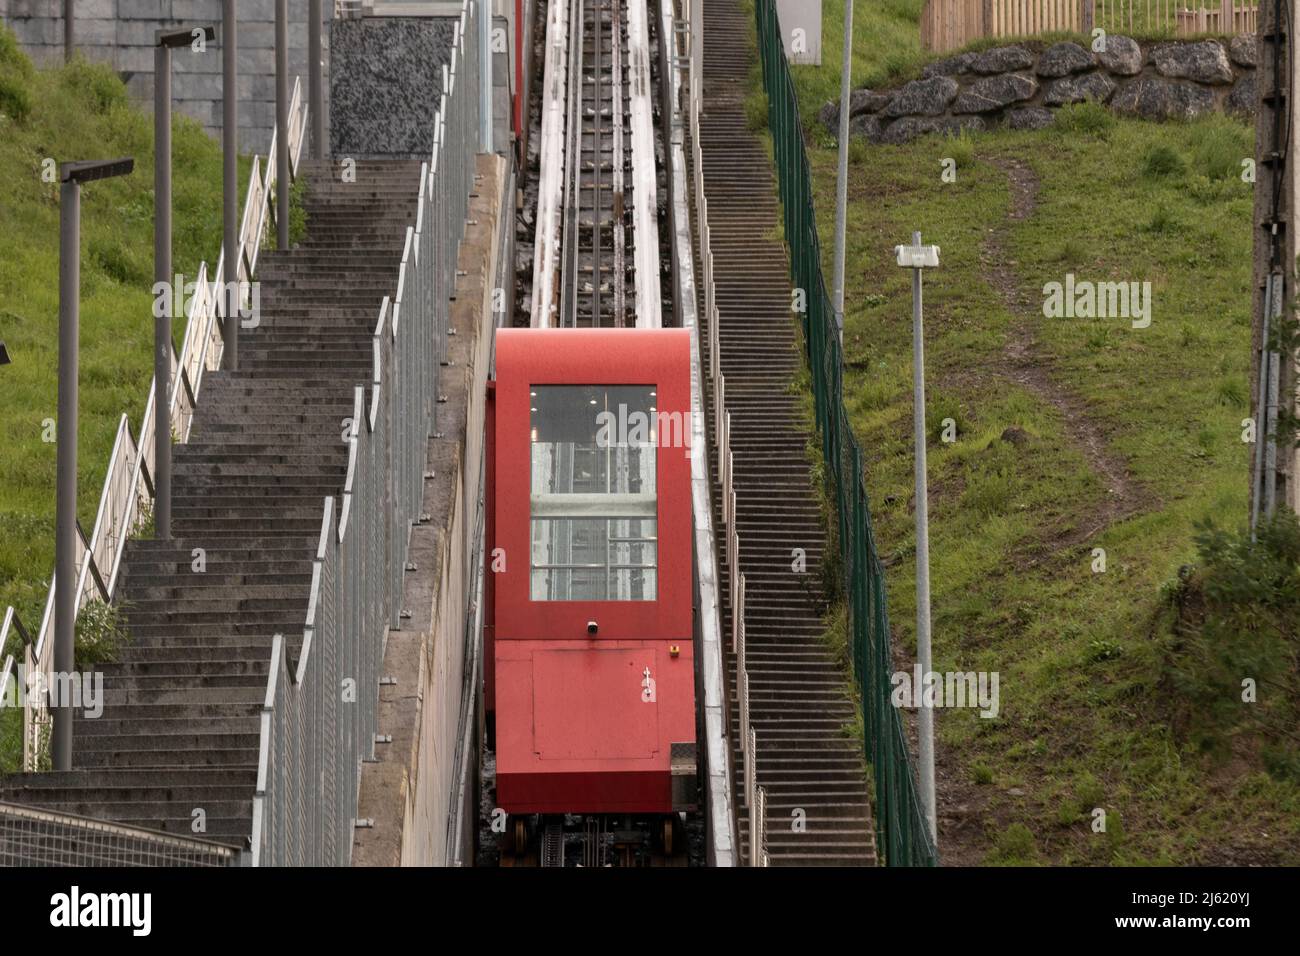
[(128, 483), (901, 828), (318, 722), (32, 837)]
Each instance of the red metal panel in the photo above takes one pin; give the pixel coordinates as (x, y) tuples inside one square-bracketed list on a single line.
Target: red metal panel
[(589, 704), (534, 714)]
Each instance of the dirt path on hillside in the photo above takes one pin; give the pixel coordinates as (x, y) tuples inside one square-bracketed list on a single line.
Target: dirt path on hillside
[(970, 815), (1025, 362)]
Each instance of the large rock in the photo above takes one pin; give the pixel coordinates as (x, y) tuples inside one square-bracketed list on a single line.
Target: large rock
[(1030, 117), (928, 97), (865, 125), (1153, 98), (1204, 62), (829, 115), (950, 65), (860, 101), (1241, 49), (994, 92), (865, 101), (1002, 59), (1122, 56), (1076, 89), (1062, 59), (910, 127), (1244, 99)]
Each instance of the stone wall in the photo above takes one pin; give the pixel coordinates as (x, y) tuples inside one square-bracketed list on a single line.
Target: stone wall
[(121, 34), (1022, 86), (386, 83)]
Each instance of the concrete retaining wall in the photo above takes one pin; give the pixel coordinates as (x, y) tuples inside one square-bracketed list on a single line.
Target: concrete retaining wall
[(407, 791)]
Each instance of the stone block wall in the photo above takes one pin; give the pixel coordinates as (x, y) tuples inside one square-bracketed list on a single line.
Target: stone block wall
[(1021, 86), (121, 34)]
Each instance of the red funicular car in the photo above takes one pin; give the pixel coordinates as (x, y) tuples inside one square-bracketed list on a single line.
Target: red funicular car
[(590, 672)]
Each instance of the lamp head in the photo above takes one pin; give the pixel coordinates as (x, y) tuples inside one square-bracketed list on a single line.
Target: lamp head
[(174, 37), (85, 171)]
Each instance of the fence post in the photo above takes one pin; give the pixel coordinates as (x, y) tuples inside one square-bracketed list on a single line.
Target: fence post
[(1086, 16)]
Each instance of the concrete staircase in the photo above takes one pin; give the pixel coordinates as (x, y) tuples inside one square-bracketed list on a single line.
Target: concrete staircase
[(179, 730), (798, 703)]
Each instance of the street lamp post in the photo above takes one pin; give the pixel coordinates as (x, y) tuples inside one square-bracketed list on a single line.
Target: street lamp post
[(282, 124), (230, 186), (71, 176), (165, 41), (842, 172), (315, 94), (918, 257), (68, 32)]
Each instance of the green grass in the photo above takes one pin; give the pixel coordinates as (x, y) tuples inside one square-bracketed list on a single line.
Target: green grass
[(886, 49), (1089, 718), (79, 111), (1081, 673)]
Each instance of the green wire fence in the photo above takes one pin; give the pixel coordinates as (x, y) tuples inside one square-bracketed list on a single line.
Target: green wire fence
[(902, 834)]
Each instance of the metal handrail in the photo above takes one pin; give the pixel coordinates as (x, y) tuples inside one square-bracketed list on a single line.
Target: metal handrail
[(722, 443), (127, 483), (32, 836)]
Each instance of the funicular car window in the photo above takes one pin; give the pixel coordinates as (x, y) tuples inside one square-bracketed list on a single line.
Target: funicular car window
[(593, 499)]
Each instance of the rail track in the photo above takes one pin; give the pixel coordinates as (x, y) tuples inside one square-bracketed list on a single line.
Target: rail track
[(596, 256), (597, 262)]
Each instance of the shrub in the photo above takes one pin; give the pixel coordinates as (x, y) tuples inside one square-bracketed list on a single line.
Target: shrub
[(1219, 150), (16, 74), (1014, 847), (100, 634), (756, 111), (98, 87), (1087, 118), (961, 148), (1234, 620), (1163, 162)]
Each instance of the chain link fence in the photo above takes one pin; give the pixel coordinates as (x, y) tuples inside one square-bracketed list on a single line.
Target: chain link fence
[(901, 830), (319, 717)]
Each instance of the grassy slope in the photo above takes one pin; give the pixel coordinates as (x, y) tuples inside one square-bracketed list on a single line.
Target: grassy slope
[(1085, 721), (80, 112)]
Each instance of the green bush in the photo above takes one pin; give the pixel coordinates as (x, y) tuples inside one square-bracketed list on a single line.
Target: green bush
[(15, 98), (756, 112), (98, 87), (1234, 626), (1219, 150), (100, 635), (961, 149), (15, 79), (1163, 162), (1087, 118), (1014, 847)]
